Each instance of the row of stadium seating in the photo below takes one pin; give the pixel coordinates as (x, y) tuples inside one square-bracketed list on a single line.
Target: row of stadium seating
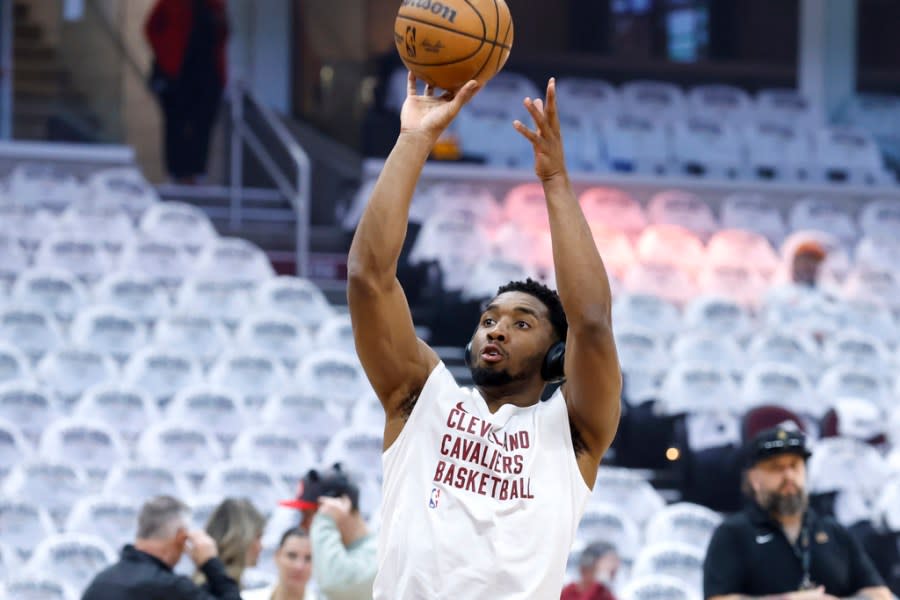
[(654, 127)]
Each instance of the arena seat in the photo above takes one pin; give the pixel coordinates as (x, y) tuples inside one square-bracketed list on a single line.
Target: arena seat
[(715, 348), (43, 185), (23, 524), (84, 444), (189, 449), (825, 215), (14, 448), (868, 284), (77, 253), (308, 415), (108, 330), (134, 293), (779, 383), (880, 251), (195, 334), (332, 374), (647, 310), (611, 524), (658, 587), (507, 88), (27, 404), (880, 218), (855, 418), (31, 330), (295, 296), (786, 347), (708, 147), (69, 370), (683, 523), (135, 483), (696, 387), (627, 489), (778, 151), (161, 371), (453, 239), (127, 409), (680, 561), (654, 99), (39, 587), (59, 293), (252, 375), (245, 480), (111, 226), (356, 449), (167, 264), (740, 247), (52, 486), (785, 107), (276, 447), (124, 187), (678, 207), (724, 103), (593, 97), (613, 208), (644, 359), (73, 558), (215, 298), (873, 318), (489, 273), (13, 261), (485, 132), (859, 349), (741, 283), (847, 155), (111, 519), (178, 223), (754, 212), (665, 281), (674, 245), (276, 334), (637, 144), (367, 412), (26, 224), (14, 363), (215, 408), (336, 333), (715, 314), (857, 381)]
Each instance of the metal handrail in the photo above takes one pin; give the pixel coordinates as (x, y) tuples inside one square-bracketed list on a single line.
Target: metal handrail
[(297, 191)]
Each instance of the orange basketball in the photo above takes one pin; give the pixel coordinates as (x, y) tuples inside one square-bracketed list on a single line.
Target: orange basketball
[(448, 42)]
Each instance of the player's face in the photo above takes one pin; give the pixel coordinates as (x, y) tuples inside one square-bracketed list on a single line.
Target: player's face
[(779, 484), (512, 337)]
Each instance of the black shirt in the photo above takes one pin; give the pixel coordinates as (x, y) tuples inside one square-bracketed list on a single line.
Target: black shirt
[(139, 576), (883, 547), (749, 554)]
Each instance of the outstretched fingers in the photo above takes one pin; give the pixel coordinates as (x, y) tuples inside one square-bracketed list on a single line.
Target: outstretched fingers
[(551, 110), (535, 109), (531, 136), (466, 93)]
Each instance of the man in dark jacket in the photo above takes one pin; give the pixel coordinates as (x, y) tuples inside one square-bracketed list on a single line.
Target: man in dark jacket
[(144, 571)]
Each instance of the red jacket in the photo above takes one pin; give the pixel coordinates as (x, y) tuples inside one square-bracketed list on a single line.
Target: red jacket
[(597, 591), (168, 30)]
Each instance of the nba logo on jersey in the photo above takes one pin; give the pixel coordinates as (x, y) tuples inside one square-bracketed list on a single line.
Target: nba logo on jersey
[(435, 496)]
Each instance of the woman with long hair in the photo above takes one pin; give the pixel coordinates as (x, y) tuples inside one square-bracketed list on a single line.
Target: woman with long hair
[(237, 527), (294, 561)]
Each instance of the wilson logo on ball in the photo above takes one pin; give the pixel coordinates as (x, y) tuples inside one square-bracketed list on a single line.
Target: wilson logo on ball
[(437, 8), (411, 41)]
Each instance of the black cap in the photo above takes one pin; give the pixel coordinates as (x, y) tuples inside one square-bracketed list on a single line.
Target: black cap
[(781, 439), (332, 483)]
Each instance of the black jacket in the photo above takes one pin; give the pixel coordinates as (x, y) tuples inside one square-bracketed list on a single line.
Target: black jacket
[(139, 576)]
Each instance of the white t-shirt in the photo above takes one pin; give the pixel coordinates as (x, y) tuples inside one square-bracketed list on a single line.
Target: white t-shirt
[(478, 505)]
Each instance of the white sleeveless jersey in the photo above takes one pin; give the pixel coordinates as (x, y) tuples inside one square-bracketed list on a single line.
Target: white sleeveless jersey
[(478, 505)]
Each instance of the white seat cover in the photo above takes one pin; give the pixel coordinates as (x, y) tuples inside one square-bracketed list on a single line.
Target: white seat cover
[(178, 222), (679, 207), (334, 375), (356, 449), (311, 417), (647, 310), (277, 448), (187, 448), (697, 386), (127, 409), (628, 490), (136, 294), (665, 281), (23, 524), (13, 362), (215, 297), (124, 187), (31, 330), (113, 519), (68, 371), (754, 212), (135, 483), (110, 225), (50, 485), (233, 259), (336, 333), (193, 334), (295, 296), (612, 524), (82, 443), (28, 405), (236, 479), (161, 371), (252, 375), (166, 264), (781, 384), (680, 561), (274, 333), (53, 290), (78, 254), (671, 245), (109, 330), (215, 409), (44, 185), (684, 523), (714, 314), (72, 557)]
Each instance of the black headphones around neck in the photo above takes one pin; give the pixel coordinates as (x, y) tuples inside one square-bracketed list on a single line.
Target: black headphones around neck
[(553, 367)]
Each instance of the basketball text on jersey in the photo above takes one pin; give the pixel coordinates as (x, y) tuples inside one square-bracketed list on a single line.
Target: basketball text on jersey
[(477, 460), (436, 8)]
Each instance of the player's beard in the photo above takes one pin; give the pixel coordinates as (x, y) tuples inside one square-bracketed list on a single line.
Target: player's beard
[(490, 378), (784, 505)]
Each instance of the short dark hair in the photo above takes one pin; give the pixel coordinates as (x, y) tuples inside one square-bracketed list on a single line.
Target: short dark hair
[(548, 297), (292, 532), (594, 552)]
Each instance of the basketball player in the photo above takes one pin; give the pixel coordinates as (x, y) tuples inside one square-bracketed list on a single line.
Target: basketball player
[(484, 488)]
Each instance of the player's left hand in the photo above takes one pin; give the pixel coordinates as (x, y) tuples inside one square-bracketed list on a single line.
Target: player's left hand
[(336, 508), (546, 139)]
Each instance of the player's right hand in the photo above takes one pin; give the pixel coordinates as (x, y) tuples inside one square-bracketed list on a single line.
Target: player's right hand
[(430, 115), (201, 547)]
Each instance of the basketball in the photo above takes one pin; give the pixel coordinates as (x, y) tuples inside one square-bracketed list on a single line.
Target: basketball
[(446, 43)]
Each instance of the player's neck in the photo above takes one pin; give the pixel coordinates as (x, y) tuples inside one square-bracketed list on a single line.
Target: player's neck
[(517, 393)]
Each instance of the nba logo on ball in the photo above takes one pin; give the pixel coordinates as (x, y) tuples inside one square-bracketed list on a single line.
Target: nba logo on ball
[(445, 43), (435, 497)]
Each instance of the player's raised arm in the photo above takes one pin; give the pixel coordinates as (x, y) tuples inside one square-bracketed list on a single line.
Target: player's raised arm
[(396, 362), (593, 380)]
